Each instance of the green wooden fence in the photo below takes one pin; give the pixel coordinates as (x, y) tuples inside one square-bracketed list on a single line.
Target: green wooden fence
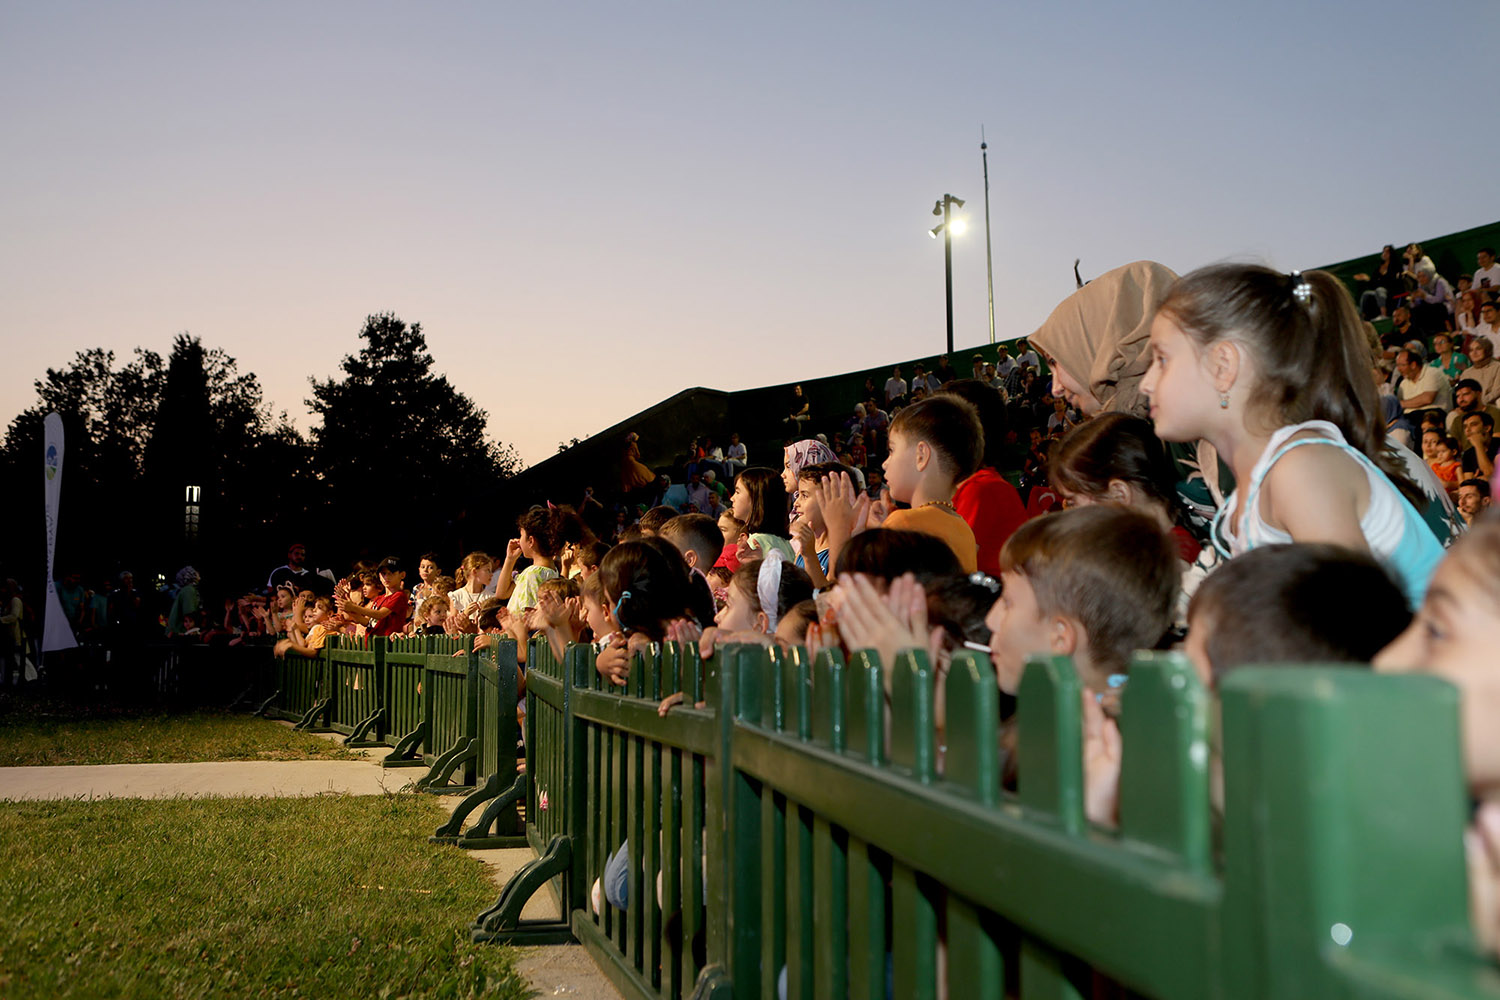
[(303, 694), (356, 666), (797, 838)]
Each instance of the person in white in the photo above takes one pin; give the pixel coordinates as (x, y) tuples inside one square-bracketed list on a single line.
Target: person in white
[(1422, 388), (895, 385), (1487, 278)]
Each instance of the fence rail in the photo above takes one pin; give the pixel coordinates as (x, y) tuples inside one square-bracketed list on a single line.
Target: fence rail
[(797, 836)]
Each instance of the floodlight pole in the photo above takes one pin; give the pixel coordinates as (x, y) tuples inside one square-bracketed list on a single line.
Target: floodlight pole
[(989, 260), (948, 264)]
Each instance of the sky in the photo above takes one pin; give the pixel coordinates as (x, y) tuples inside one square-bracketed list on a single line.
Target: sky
[(592, 206)]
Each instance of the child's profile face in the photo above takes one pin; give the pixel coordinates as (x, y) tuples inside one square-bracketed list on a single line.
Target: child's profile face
[(740, 503), (900, 467), (738, 613), (1017, 630), (371, 590), (1454, 635), (1184, 402), (728, 529), (482, 576), (598, 618), (806, 505), (314, 614)]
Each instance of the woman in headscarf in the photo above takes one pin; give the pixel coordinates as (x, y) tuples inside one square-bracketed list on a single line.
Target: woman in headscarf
[(801, 454)]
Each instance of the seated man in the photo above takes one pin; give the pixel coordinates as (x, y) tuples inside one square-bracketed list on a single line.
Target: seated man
[(1479, 456), (1488, 327), (1487, 278), (1467, 399), (1422, 388), (1473, 499)]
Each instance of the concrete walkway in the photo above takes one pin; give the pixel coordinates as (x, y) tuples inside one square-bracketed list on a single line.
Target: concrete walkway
[(251, 778)]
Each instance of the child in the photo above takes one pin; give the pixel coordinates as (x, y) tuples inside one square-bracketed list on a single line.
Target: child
[(935, 444), (538, 542), (427, 571), (601, 623), (1116, 459), (1272, 369), (808, 527), (475, 570), (800, 454), (761, 594), (1445, 461), (1293, 604), (762, 506), (1095, 583), (1454, 635), (552, 616), (731, 528), (432, 613), (697, 537), (321, 621), (387, 613)]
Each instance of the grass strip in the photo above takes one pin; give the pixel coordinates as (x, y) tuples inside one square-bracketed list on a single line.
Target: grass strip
[(39, 734), (332, 896)]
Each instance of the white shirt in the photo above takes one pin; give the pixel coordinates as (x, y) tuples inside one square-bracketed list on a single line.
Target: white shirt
[(1488, 277), (894, 387), (1005, 367), (1431, 380)]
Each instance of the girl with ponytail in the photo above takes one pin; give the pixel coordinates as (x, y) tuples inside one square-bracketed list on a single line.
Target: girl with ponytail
[(1273, 370)]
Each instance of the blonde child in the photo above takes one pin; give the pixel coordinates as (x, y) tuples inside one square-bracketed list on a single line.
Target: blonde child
[(321, 622), (1273, 370), (431, 615), (475, 574)]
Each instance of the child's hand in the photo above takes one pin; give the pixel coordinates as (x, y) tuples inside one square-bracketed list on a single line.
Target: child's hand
[(684, 631), (1482, 848), (889, 624), (804, 540), (744, 548), (1102, 750), (512, 550), (880, 509), (613, 664)]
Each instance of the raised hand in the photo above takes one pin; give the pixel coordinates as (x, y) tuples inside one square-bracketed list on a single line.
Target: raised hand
[(1102, 751)]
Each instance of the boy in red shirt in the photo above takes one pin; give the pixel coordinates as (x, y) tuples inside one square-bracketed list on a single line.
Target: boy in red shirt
[(387, 614)]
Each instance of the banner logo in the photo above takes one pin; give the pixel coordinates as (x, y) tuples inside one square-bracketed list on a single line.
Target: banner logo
[(51, 461)]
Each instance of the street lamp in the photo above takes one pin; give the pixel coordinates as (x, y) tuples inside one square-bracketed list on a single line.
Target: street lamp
[(948, 227)]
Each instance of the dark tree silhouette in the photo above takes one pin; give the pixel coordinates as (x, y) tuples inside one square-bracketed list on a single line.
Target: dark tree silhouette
[(400, 448)]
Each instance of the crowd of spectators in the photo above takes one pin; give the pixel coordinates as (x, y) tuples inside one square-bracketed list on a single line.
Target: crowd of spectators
[(1232, 463)]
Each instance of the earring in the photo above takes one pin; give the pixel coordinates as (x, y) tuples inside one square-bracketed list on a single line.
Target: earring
[(1223, 400)]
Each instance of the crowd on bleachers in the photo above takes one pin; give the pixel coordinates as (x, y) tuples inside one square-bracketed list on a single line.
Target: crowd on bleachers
[(1237, 463)]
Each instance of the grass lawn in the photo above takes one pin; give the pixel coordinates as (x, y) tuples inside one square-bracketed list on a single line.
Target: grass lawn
[(34, 731), (334, 896)]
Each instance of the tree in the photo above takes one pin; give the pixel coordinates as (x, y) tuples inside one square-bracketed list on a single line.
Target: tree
[(399, 447)]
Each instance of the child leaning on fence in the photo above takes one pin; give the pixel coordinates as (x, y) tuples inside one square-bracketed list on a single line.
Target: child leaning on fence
[(1454, 635)]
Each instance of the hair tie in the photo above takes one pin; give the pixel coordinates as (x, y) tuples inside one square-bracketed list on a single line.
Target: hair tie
[(768, 586), (1301, 289)]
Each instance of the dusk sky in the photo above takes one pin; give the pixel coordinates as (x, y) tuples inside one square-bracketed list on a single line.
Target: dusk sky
[(591, 206)]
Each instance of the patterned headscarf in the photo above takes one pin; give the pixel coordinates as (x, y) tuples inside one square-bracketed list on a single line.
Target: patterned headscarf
[(808, 452)]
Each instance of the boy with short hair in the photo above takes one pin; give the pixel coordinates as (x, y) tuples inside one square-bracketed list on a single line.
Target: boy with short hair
[(1095, 583), (935, 444), (1293, 604), (697, 537)]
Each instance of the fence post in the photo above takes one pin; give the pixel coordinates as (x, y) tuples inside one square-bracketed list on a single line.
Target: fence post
[(1341, 841)]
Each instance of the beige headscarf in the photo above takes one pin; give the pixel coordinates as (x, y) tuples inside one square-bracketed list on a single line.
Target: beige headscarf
[(1099, 333)]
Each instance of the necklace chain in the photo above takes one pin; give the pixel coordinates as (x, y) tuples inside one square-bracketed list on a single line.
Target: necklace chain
[(941, 503)]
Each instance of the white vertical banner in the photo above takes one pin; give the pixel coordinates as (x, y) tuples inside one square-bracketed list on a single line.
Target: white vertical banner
[(56, 632)]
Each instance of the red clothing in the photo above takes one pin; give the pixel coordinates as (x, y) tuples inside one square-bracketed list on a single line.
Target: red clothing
[(1042, 499), (994, 511), (729, 558), (400, 611), (1187, 546)]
